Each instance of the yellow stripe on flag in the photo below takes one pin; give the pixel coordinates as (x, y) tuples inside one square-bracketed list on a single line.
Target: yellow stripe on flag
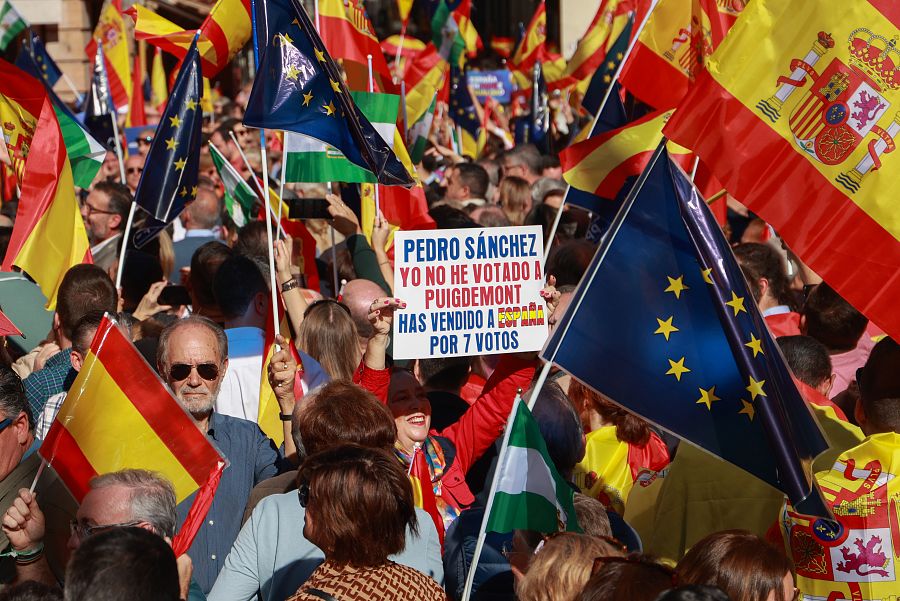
[(116, 413)]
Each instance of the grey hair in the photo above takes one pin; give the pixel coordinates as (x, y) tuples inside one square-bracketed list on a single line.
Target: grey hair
[(162, 350), (152, 497), (309, 399)]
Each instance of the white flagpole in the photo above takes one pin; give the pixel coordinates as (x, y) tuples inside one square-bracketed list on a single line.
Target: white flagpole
[(596, 118), (125, 235), (482, 531), (372, 91), (334, 259)]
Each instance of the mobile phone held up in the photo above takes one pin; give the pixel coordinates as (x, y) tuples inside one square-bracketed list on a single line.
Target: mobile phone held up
[(308, 208), (174, 296)]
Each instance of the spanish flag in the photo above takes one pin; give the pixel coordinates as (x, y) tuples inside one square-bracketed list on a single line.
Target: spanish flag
[(530, 48), (49, 235), (801, 129), (222, 34), (611, 19), (674, 46), (403, 209), (110, 32), (424, 76), (423, 491), (268, 417), (601, 164), (348, 34), (118, 415), (159, 89)]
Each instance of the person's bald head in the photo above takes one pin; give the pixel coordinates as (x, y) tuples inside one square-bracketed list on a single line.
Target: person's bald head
[(358, 295), (204, 212)]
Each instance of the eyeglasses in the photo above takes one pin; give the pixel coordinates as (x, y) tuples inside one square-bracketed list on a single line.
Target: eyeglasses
[(92, 209), (242, 132), (81, 531), (325, 301), (182, 371), (145, 140), (303, 494), (6, 423), (131, 170)]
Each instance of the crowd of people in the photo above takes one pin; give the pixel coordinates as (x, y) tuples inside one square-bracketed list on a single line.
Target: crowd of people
[(330, 514)]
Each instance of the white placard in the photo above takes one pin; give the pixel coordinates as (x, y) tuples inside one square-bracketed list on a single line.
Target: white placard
[(469, 292)]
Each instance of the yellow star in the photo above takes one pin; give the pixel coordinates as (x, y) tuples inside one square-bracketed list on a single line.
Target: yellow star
[(677, 368), (748, 409), (179, 164), (607, 79), (707, 275), (676, 285), (292, 72), (320, 56), (610, 65), (755, 344), (183, 191), (171, 143), (335, 85), (665, 327), (191, 104), (736, 303), (329, 108), (756, 388), (707, 397), (619, 56), (175, 121), (306, 98), (194, 191)]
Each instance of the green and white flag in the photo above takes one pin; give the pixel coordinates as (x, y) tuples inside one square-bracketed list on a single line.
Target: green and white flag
[(85, 153), (11, 23), (445, 34), (239, 196), (529, 494), (307, 159), (418, 133)]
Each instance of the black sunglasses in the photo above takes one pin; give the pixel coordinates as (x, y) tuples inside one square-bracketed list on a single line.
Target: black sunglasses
[(5, 424), (182, 371), (131, 170), (145, 140), (303, 494)]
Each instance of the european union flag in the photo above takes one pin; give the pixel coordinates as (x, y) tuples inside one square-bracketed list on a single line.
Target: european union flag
[(463, 112), (299, 88), (169, 180), (603, 77), (664, 324), (34, 59)]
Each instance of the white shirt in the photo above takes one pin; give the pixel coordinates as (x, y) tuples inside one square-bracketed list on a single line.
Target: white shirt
[(48, 414)]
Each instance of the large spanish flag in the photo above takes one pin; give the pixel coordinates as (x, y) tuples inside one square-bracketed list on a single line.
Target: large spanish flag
[(119, 414), (674, 46), (802, 130), (601, 164), (110, 32), (48, 236), (222, 34), (348, 34)]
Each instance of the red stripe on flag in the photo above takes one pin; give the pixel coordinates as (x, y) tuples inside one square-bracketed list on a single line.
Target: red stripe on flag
[(76, 471), (889, 8), (140, 385), (826, 229), (344, 41), (652, 79), (214, 33)]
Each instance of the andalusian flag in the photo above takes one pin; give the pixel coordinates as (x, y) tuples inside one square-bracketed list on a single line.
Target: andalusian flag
[(528, 492), (815, 112), (48, 237), (418, 133), (86, 438), (423, 490), (307, 159), (239, 196), (222, 34), (601, 164), (674, 47), (110, 32), (452, 31), (11, 23), (85, 153)]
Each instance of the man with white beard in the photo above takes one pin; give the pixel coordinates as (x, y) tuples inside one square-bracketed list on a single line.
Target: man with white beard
[(192, 358)]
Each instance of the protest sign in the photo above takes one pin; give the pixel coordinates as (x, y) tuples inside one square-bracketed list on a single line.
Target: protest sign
[(490, 84), (469, 292)]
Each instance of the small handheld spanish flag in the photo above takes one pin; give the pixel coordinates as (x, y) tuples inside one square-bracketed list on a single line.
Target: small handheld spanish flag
[(423, 493)]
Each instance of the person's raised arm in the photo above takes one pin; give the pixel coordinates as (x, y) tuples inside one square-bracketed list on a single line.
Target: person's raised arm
[(24, 527), (288, 286), (282, 378)]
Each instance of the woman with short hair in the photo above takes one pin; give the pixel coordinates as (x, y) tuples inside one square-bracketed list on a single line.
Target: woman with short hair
[(359, 504)]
